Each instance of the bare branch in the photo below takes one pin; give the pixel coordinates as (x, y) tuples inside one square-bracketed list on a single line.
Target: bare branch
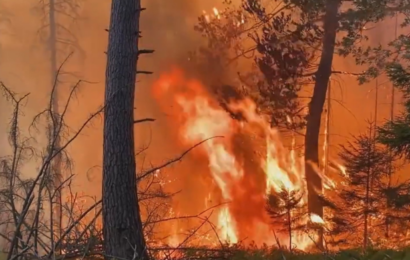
[(144, 120), (177, 159), (144, 72), (145, 52)]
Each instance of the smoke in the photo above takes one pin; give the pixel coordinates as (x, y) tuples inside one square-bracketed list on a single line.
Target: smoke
[(167, 27)]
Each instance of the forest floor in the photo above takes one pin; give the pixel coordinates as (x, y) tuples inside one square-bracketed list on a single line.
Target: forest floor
[(274, 254), (403, 254)]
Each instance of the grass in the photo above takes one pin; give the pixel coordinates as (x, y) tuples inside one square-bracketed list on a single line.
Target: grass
[(271, 254), (342, 255), (274, 254)]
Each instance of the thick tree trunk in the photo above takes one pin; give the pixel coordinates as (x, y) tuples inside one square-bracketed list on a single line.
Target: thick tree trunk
[(122, 230), (323, 73)]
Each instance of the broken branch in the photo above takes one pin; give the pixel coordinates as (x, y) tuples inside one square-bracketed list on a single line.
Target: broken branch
[(144, 120)]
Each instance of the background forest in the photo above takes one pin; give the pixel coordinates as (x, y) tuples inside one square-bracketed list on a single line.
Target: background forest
[(228, 129)]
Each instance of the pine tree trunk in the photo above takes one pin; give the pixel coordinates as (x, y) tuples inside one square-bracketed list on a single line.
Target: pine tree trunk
[(122, 227), (323, 73)]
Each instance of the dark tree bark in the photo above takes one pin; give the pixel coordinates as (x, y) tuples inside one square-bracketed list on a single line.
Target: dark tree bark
[(314, 182), (122, 230)]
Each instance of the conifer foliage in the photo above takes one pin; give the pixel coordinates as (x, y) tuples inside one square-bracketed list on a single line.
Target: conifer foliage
[(369, 201), (287, 211)]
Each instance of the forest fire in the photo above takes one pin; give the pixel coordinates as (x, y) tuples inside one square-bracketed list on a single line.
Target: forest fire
[(210, 160), (243, 183)]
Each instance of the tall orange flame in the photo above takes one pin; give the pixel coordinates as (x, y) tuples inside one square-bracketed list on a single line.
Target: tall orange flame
[(200, 117)]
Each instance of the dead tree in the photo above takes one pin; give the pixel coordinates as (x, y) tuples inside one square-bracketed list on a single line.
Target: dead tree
[(59, 40), (27, 218)]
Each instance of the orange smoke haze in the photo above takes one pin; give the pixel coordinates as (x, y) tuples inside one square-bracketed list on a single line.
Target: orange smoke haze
[(185, 113)]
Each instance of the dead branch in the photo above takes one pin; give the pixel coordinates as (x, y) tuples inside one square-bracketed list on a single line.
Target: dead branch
[(177, 159), (144, 120), (29, 221), (73, 225), (189, 216), (144, 72), (194, 231), (335, 72), (145, 52)]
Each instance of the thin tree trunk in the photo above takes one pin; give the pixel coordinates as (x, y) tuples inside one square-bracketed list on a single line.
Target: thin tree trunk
[(122, 230), (393, 100), (56, 167), (327, 132), (367, 202), (289, 215), (366, 210), (316, 107), (365, 231)]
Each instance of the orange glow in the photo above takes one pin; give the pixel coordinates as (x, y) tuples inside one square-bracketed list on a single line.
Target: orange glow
[(241, 189)]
